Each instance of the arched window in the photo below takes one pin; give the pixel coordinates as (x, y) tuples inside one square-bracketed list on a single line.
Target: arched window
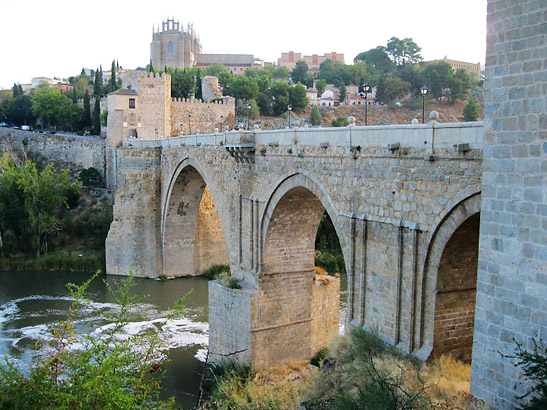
[(170, 48)]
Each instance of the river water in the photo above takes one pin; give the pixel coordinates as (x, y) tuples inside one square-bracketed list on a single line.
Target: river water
[(31, 301)]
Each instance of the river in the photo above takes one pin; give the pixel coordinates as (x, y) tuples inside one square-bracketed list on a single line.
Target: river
[(31, 301)]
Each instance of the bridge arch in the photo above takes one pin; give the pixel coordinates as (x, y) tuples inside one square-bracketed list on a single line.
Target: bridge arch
[(296, 303), (305, 188), (449, 282), (192, 233)]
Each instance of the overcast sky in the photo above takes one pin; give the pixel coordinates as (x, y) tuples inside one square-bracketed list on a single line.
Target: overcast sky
[(59, 37)]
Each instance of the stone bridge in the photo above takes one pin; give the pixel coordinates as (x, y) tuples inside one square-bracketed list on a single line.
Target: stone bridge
[(404, 201)]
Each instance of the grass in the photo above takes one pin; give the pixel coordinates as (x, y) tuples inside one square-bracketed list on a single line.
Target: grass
[(74, 261), (239, 387), (358, 371)]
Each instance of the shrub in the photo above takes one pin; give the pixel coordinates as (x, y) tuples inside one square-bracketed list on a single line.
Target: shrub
[(107, 373), (318, 358), (340, 122), (534, 365), (90, 177), (217, 271)]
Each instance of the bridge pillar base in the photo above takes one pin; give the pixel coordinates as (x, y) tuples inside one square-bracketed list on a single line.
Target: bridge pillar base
[(289, 318)]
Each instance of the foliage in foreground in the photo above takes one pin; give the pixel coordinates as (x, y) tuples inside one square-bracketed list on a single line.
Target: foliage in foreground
[(534, 365), (239, 387), (363, 372), (104, 373)]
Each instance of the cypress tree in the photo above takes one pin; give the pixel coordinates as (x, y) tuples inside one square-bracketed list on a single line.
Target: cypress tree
[(150, 67), (198, 93), (97, 117), (113, 85), (87, 109), (74, 96), (98, 84), (471, 111)]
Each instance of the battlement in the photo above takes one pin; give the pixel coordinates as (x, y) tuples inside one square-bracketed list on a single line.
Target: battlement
[(228, 102)]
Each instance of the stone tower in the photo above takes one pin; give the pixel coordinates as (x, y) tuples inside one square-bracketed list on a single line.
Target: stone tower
[(172, 46)]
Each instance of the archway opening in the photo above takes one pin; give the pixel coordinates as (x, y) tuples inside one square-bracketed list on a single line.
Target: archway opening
[(329, 257), (298, 304), (193, 238), (456, 292)]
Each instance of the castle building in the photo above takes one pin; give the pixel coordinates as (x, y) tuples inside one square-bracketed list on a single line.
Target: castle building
[(173, 46), (143, 109), (290, 59)]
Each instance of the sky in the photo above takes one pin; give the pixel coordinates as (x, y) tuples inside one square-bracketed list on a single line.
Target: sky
[(58, 37)]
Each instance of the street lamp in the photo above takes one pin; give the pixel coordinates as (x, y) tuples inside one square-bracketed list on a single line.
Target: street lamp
[(190, 124), (289, 108), (366, 90), (222, 123), (423, 91), (249, 107)]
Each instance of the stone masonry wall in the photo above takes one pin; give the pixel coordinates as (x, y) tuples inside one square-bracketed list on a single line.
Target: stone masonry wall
[(456, 289), (210, 247), (512, 275), (206, 116), (80, 152), (325, 311), (385, 206)]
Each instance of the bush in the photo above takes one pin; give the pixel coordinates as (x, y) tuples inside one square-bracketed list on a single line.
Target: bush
[(332, 262), (107, 373), (534, 364), (90, 177), (217, 271), (318, 358), (340, 122)]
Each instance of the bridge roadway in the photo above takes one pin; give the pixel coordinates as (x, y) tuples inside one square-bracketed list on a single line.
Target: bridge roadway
[(404, 201)]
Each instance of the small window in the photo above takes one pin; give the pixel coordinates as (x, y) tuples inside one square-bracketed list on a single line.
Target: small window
[(170, 48), (131, 103)]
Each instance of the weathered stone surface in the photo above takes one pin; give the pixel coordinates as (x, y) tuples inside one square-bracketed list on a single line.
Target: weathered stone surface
[(394, 213), (510, 290)]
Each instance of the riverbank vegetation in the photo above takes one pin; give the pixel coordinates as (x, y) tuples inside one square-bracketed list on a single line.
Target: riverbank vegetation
[(50, 218), (358, 371)]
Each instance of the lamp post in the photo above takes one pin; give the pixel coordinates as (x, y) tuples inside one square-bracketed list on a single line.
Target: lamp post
[(222, 123), (366, 90), (190, 124), (423, 91), (289, 108), (249, 108), (181, 131)]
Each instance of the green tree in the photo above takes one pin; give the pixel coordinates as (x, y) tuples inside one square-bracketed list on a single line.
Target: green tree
[(315, 116), (460, 85), (403, 51), (113, 83), (280, 73), (321, 86), (438, 76), (197, 93), (43, 193), (391, 88), (183, 83), (471, 111), (98, 84), (86, 115), (333, 72), (279, 91), (242, 88), (97, 117), (300, 74), (298, 97), (48, 103), (377, 58), (17, 90), (219, 71), (71, 116), (19, 111), (343, 93)]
